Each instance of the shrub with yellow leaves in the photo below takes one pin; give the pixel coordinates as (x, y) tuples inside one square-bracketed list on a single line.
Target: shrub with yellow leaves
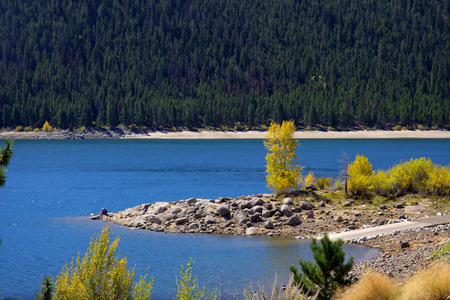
[(100, 274), (359, 171)]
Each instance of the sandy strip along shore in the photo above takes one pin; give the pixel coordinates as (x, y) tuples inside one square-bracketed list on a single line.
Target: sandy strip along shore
[(118, 134)]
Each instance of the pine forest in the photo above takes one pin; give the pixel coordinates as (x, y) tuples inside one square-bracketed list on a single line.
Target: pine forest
[(237, 64)]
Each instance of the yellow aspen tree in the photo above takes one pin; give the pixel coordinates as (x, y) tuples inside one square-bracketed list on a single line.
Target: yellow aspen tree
[(100, 274), (47, 126), (282, 173)]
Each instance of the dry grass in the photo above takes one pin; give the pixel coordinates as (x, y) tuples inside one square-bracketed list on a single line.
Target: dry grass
[(429, 284), (289, 292), (372, 286)]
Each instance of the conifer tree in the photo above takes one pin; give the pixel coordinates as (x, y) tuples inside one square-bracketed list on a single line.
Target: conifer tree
[(47, 289), (282, 173), (328, 273), (5, 157)]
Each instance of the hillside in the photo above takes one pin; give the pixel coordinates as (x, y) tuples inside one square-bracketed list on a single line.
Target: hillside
[(213, 63)]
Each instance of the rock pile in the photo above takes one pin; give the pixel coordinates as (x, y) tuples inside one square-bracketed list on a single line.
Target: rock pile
[(255, 215)]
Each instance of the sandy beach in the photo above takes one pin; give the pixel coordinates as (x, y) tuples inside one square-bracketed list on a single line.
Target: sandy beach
[(203, 134), (377, 134)]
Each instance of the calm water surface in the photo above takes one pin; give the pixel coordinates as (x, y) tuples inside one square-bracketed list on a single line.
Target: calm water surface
[(53, 185)]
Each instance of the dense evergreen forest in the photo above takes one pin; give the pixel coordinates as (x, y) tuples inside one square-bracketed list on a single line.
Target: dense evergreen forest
[(225, 63)]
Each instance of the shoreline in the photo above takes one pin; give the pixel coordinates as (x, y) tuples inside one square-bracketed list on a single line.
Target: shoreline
[(402, 253), (204, 134)]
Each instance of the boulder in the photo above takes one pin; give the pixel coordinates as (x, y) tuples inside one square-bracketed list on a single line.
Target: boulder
[(305, 205), (160, 207), (256, 201), (268, 205), (223, 210), (193, 226), (199, 215), (399, 205), (251, 231), (257, 208), (310, 214), (210, 219), (322, 203), (255, 217), (175, 210), (286, 210), (404, 245), (294, 221), (266, 213), (182, 220), (161, 218), (191, 201), (288, 201), (240, 218), (268, 225)]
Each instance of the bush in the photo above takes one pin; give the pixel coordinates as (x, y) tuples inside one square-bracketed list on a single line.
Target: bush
[(323, 183), (380, 183), (100, 275), (310, 179), (359, 171), (429, 284), (372, 286), (19, 128), (187, 287), (288, 292)]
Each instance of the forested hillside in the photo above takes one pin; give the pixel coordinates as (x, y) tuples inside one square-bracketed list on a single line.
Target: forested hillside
[(197, 63)]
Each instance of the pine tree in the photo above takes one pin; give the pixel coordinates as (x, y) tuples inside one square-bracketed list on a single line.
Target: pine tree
[(5, 158), (328, 273), (47, 289)]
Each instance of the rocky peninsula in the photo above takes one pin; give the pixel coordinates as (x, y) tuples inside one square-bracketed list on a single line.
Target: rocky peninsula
[(307, 215)]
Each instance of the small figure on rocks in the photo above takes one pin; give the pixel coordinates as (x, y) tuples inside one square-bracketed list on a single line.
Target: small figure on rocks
[(104, 212)]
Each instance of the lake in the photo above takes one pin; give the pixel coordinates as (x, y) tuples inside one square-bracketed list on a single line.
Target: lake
[(53, 185)]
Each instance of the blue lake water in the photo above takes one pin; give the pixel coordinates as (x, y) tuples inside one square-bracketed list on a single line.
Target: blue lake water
[(53, 185)]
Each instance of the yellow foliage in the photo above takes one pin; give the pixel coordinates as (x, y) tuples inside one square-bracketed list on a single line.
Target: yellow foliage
[(412, 175), (47, 126), (188, 288), (439, 181), (323, 182), (372, 286), (282, 174), (100, 274), (429, 284), (380, 183), (359, 171), (310, 179)]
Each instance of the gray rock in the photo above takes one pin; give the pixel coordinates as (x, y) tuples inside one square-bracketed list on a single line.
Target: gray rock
[(191, 201), (255, 217), (339, 219), (199, 215), (349, 202), (268, 205), (268, 225), (404, 245), (310, 214), (286, 210), (251, 231), (160, 207), (266, 213), (175, 210), (306, 206), (161, 218), (257, 208), (180, 221), (399, 205), (256, 201), (240, 218), (294, 221), (288, 201), (322, 203), (382, 206), (210, 219), (223, 210), (193, 226)]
